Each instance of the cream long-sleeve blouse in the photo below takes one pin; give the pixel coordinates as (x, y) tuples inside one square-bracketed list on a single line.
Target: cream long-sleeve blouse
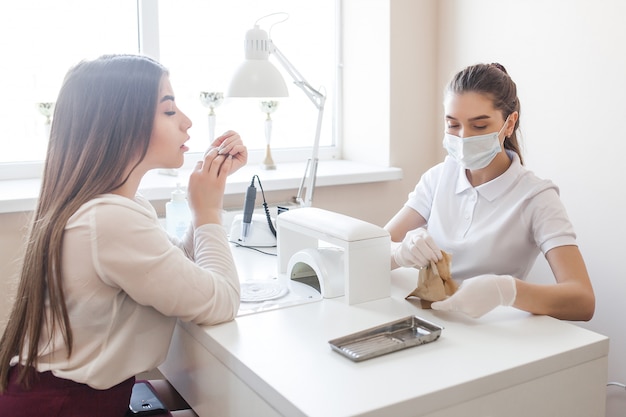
[(126, 282)]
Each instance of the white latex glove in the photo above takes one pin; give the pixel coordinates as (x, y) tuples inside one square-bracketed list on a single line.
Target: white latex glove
[(479, 295), (417, 249)]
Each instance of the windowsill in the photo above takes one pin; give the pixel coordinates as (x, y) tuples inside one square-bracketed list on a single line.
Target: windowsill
[(21, 195)]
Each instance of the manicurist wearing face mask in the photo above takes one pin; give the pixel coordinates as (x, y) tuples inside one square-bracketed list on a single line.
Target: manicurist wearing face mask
[(492, 214)]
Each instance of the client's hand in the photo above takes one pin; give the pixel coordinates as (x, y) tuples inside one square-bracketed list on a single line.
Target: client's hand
[(479, 295), (230, 143), (417, 249), (207, 182)]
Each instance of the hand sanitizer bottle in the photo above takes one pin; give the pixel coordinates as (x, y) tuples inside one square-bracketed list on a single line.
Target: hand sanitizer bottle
[(177, 213)]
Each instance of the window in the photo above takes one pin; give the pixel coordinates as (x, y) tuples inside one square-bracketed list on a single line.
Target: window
[(203, 45), (39, 41), (200, 41)]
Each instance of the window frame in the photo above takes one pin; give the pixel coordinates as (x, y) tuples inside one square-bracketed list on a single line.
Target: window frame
[(148, 44)]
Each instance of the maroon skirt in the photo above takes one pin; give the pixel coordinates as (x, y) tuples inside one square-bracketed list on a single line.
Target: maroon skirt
[(57, 397)]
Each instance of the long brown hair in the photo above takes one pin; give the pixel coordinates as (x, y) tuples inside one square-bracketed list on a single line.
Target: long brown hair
[(494, 81), (100, 131)]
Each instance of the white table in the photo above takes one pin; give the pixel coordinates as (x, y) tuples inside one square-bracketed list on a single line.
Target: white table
[(279, 363)]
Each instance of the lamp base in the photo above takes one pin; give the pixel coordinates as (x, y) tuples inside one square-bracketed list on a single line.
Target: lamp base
[(268, 162)]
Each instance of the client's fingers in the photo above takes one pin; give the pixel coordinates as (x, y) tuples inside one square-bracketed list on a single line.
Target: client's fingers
[(226, 165)]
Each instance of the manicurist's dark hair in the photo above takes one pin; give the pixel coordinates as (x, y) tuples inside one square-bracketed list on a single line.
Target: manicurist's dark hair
[(493, 81)]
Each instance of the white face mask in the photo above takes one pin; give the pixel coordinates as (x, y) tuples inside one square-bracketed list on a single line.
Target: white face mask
[(474, 152)]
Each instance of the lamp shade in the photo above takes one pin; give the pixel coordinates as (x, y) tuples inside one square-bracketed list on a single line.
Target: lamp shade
[(256, 76)]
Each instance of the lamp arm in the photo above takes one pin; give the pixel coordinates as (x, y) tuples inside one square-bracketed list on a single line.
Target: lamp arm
[(310, 171), (318, 99)]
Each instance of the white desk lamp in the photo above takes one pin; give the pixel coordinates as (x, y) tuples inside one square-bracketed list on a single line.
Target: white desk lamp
[(257, 77)]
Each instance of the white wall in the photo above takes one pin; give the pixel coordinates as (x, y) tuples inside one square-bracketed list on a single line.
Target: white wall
[(569, 62)]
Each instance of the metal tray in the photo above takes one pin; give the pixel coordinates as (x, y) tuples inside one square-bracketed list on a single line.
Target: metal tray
[(386, 338)]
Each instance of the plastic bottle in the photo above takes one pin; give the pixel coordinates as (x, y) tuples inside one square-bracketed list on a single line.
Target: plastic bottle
[(177, 213)]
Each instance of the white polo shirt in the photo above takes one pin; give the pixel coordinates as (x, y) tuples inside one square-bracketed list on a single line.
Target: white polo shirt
[(496, 228)]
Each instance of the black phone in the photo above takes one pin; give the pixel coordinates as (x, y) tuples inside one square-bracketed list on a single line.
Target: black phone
[(144, 401)]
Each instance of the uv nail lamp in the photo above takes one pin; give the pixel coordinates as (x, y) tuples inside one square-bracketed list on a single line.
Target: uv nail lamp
[(355, 263)]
